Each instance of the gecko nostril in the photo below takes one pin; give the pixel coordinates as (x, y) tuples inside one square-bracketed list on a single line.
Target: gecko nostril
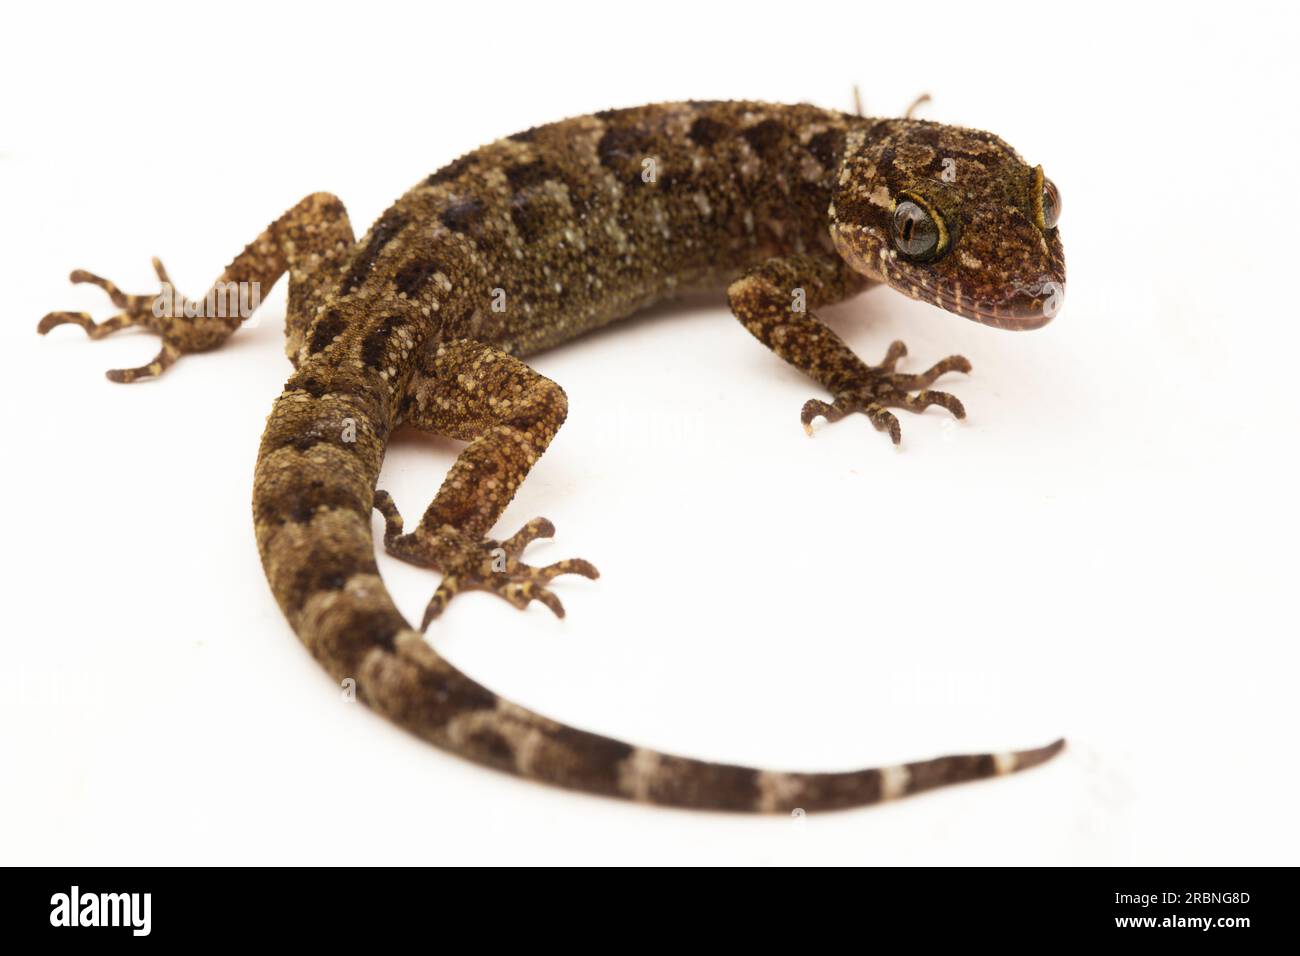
[(1036, 303)]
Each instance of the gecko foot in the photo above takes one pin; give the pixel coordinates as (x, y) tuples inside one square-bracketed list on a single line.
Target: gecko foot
[(166, 314), (884, 388), (469, 563)]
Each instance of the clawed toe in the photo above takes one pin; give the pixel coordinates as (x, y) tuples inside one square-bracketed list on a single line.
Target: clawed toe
[(161, 362), (385, 505), (511, 579), (134, 305), (519, 593), (885, 388), (521, 583), (897, 350), (924, 399), (885, 422), (137, 310), (568, 566), (54, 319), (953, 363), (537, 528), (447, 590), (469, 563)]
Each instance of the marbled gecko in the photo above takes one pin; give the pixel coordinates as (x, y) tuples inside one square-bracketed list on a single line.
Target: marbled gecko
[(526, 243)]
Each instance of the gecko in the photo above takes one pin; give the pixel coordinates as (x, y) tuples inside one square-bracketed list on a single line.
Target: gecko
[(527, 243)]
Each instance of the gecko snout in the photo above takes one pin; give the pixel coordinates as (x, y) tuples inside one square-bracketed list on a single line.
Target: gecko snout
[(1029, 306), (1007, 273)]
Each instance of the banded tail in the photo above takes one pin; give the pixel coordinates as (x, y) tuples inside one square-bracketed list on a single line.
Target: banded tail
[(312, 501)]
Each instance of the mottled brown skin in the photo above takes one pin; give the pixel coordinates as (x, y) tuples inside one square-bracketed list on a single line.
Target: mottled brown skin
[(522, 245)]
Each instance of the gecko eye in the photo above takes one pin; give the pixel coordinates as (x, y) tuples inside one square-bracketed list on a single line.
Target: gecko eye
[(1051, 204), (915, 232)]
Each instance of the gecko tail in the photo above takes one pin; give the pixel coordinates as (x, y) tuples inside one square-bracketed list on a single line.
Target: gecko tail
[(418, 689), (312, 504)]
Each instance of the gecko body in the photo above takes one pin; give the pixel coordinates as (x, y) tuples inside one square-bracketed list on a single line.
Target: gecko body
[(526, 243)]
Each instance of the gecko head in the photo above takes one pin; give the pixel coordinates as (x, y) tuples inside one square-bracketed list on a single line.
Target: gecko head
[(951, 216)]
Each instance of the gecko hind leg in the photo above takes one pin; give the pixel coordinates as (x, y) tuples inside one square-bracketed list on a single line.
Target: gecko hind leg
[(509, 414), (773, 301), (311, 242)]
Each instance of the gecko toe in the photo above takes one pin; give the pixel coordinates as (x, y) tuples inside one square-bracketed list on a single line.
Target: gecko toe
[(537, 528), (884, 421), (52, 320), (569, 566), (447, 589), (897, 350), (815, 408), (881, 387), (166, 314), (521, 593), (923, 400), (161, 362), (469, 563)]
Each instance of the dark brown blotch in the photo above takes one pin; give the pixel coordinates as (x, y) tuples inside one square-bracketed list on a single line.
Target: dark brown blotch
[(374, 627), (835, 791), (375, 345), (386, 229), (302, 502), (713, 786), (332, 209), (523, 175), (492, 747), (706, 131), (413, 277), (580, 759), (827, 147), (928, 774), (451, 171), (309, 384), (529, 216), (766, 138), (438, 697), (621, 151), (463, 214), (355, 392), (327, 571), (325, 330)]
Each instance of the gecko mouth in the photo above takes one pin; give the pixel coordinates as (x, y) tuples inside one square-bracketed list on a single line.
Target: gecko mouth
[(1030, 306)]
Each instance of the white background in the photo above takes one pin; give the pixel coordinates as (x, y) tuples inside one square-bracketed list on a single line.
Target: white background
[(1103, 550)]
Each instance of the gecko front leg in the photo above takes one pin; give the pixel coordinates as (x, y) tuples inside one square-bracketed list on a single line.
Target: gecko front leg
[(508, 413), (774, 302)]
